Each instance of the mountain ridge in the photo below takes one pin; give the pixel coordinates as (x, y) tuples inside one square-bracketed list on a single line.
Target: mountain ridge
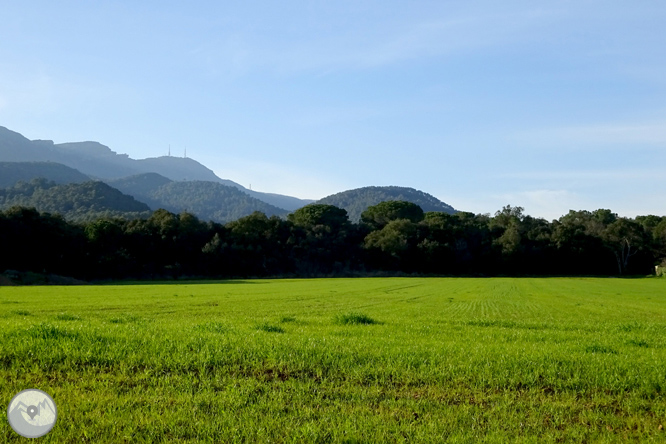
[(150, 180), (101, 162), (206, 199)]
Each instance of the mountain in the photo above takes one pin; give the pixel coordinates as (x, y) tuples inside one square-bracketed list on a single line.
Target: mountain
[(207, 200), (12, 172), (358, 200), (99, 161), (142, 187), (76, 201), (153, 180), (279, 200)]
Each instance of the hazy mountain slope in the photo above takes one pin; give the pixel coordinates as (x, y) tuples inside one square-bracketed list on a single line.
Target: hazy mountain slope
[(210, 201), (78, 201), (356, 201), (99, 161), (142, 184), (12, 172), (90, 158), (141, 187), (207, 200), (16, 148), (279, 200)]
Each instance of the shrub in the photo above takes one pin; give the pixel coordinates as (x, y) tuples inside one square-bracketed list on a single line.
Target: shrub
[(354, 318), (270, 328)]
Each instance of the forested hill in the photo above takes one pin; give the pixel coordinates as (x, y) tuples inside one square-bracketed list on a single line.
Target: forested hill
[(358, 200), (76, 202), (210, 201), (142, 187), (13, 172), (207, 200)]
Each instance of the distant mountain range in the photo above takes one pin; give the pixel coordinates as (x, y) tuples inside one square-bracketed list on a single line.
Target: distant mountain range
[(87, 179), (100, 162)]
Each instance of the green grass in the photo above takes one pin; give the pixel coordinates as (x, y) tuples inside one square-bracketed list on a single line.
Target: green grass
[(344, 360), (354, 318)]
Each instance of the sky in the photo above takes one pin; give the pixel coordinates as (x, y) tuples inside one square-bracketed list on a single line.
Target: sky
[(550, 106)]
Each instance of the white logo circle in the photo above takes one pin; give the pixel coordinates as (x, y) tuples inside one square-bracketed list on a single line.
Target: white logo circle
[(32, 413)]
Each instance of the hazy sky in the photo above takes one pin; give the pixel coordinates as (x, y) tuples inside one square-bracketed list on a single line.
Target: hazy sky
[(548, 105)]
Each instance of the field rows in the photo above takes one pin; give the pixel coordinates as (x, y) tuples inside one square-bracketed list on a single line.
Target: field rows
[(343, 360)]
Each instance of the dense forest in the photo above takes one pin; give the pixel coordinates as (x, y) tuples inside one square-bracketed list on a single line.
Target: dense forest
[(74, 201), (207, 200), (92, 200), (394, 237), (358, 200)]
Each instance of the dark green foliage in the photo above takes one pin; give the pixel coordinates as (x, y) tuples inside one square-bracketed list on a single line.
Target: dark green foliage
[(76, 201), (378, 216), (40, 242), (141, 184), (397, 243), (13, 172), (319, 214), (67, 317), (596, 348), (600, 242), (268, 328), (354, 318), (318, 240), (358, 200), (141, 187), (209, 201), (324, 242), (253, 245)]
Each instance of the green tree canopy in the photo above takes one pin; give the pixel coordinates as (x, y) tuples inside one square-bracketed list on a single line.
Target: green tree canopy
[(319, 214), (378, 216), (625, 238)]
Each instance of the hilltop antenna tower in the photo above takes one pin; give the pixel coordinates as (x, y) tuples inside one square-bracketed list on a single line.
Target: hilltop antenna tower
[(169, 151), (185, 155)]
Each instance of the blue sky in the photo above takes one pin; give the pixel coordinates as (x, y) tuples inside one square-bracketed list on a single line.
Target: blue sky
[(548, 105)]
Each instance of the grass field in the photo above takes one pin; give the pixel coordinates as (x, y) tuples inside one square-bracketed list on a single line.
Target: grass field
[(342, 360)]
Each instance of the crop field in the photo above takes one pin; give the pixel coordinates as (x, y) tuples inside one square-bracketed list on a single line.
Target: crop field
[(342, 360)]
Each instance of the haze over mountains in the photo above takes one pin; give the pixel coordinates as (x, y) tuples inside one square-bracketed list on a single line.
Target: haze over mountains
[(100, 162), (207, 199), (173, 183)]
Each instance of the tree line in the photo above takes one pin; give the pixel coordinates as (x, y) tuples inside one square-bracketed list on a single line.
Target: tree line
[(393, 237)]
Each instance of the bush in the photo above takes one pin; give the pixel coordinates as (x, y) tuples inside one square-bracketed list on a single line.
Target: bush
[(354, 318), (270, 328)]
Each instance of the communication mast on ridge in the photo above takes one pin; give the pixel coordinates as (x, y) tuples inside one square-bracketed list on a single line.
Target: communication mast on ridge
[(185, 155), (169, 151)]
